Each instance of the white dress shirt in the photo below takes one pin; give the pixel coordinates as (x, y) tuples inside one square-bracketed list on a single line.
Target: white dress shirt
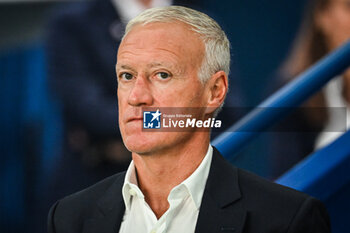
[(129, 9), (184, 203)]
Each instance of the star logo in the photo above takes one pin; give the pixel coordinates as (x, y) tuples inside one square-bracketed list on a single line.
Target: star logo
[(151, 119), (156, 115)]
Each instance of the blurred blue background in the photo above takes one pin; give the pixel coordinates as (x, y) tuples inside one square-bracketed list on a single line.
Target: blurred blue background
[(261, 33)]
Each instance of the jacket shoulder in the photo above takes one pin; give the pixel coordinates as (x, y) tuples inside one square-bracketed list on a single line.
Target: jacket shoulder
[(286, 209), (251, 182), (94, 192), (70, 212)]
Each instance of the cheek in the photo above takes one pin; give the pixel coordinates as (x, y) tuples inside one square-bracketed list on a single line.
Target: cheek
[(176, 99), (122, 96), (122, 104), (166, 97), (183, 95)]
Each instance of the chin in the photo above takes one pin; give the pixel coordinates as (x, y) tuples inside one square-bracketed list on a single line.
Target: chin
[(143, 143)]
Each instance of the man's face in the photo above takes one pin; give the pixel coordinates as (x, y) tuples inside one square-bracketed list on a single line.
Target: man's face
[(157, 67)]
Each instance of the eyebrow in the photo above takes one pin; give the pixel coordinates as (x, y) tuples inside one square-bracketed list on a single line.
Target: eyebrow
[(126, 67), (152, 65), (166, 65)]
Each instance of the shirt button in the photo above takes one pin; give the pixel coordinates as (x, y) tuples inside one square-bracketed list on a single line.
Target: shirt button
[(132, 192)]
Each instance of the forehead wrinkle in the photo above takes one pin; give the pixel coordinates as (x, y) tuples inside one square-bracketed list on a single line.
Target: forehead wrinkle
[(169, 51), (120, 53), (154, 63), (134, 51), (160, 64)]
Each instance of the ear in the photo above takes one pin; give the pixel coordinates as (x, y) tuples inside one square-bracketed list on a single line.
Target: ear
[(218, 87)]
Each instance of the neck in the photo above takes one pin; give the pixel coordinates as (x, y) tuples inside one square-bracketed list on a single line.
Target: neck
[(159, 173)]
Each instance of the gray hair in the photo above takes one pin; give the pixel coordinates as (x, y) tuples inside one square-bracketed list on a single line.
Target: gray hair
[(217, 46)]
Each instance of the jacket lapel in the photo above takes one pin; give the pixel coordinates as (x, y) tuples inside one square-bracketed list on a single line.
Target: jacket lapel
[(221, 210), (109, 211)]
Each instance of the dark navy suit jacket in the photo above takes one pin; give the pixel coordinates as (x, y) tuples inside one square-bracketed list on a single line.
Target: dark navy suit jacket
[(233, 201)]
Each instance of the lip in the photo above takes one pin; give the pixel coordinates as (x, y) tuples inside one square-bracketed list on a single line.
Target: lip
[(134, 119)]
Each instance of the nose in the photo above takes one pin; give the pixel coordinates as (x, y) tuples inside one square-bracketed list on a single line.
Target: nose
[(140, 93)]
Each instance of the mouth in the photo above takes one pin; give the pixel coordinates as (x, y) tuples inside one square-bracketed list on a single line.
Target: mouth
[(134, 119)]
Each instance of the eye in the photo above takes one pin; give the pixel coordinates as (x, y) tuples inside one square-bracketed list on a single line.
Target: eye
[(163, 75), (126, 76)]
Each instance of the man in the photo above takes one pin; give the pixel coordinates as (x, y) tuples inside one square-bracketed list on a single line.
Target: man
[(177, 182), (81, 41)]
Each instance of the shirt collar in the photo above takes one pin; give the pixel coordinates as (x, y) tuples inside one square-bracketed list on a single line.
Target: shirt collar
[(129, 9), (195, 183), (130, 186)]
